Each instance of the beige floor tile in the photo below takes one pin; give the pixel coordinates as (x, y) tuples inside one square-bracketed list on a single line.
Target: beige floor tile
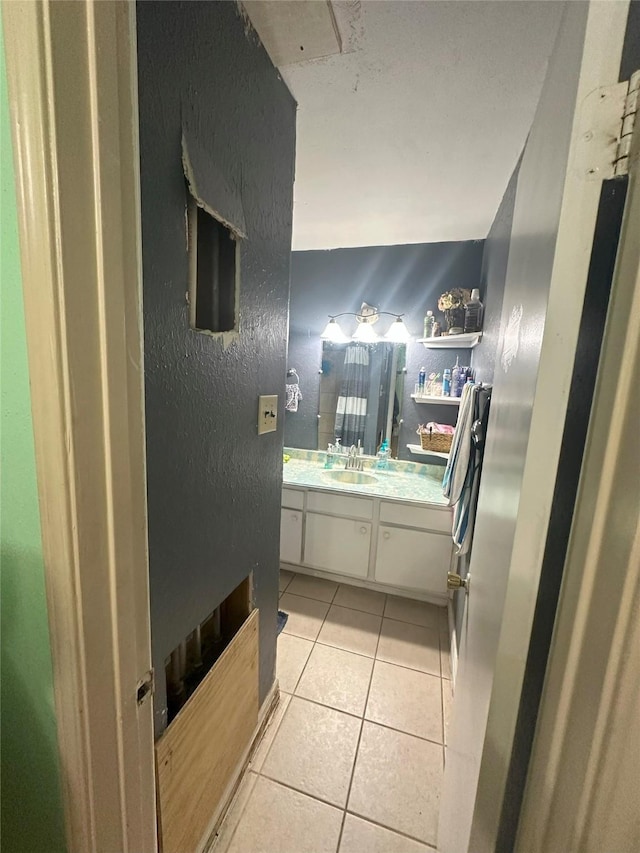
[(314, 751), (318, 588), (293, 653), (336, 678), (406, 700), (415, 612), (409, 645), (234, 815), (351, 630), (397, 782), (360, 836), (285, 579), (358, 598), (272, 729), (444, 620), (279, 820), (305, 615), (447, 703)]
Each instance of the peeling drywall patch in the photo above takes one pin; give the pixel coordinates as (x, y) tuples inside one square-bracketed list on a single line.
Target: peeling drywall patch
[(209, 188)]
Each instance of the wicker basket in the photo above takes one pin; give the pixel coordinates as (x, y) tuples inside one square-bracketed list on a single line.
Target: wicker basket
[(438, 442)]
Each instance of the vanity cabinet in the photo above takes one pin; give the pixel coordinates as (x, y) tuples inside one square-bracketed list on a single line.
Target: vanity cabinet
[(290, 535), (381, 543), (339, 545), (413, 558)]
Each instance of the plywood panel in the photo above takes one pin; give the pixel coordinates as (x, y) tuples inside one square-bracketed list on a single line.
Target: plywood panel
[(201, 749)]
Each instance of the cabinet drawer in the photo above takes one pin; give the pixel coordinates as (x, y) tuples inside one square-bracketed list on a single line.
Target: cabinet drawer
[(423, 517), (293, 498), (337, 544), (413, 559), (290, 536), (340, 505)]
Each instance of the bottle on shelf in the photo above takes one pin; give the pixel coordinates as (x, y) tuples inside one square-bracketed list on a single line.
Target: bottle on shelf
[(473, 312), (429, 323), (446, 383), (422, 376), (455, 380)]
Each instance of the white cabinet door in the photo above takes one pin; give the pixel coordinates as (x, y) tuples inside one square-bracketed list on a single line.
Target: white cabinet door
[(337, 544), (290, 536), (413, 558)]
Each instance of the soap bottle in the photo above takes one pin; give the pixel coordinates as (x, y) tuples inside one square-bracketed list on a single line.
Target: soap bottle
[(328, 462), (446, 383), (455, 379), (382, 462), (429, 323), (473, 312)]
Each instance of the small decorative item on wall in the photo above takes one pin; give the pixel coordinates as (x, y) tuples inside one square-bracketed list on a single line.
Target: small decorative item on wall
[(452, 305)]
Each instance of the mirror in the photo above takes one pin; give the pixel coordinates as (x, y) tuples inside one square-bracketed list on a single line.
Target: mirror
[(361, 392)]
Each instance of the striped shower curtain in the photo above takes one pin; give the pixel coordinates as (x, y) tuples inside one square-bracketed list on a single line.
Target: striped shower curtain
[(351, 411)]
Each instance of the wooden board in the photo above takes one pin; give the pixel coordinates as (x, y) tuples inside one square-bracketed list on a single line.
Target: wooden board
[(199, 752)]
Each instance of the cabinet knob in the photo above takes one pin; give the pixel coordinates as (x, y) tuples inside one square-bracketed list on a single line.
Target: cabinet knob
[(294, 517), (363, 530), (386, 535)]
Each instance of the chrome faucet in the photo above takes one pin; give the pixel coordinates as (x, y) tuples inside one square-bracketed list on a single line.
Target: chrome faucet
[(353, 461)]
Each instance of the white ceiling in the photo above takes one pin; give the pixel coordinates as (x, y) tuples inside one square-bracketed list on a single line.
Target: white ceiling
[(411, 133)]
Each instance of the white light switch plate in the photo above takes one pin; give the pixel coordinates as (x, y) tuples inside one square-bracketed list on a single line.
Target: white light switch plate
[(267, 413)]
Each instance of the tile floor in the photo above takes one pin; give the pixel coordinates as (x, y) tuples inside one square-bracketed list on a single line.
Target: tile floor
[(352, 760)]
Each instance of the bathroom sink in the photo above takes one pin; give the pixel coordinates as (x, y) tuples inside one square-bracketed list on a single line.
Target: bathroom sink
[(358, 478)]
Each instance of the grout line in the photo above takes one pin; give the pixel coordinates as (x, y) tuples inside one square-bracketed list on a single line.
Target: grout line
[(366, 719), (391, 829), (355, 758), (300, 791)]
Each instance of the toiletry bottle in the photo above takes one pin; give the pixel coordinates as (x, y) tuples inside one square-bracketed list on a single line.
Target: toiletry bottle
[(328, 462), (455, 380), (473, 312), (421, 379), (429, 323), (446, 383), (382, 462)]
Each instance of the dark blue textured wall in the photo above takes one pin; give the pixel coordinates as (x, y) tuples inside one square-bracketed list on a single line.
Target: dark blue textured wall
[(403, 279), (213, 484)]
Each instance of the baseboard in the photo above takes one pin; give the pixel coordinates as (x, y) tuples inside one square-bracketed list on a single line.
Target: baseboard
[(264, 716), (366, 583)]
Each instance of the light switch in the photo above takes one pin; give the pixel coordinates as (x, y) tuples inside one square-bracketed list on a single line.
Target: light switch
[(267, 413)]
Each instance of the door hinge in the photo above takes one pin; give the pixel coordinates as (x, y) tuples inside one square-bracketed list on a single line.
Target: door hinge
[(145, 687), (607, 119), (628, 123)]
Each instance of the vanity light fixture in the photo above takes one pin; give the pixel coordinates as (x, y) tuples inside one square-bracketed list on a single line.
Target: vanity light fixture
[(365, 333)]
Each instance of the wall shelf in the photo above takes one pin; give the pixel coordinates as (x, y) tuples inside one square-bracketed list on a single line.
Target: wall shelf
[(438, 401), (417, 450), (466, 341)]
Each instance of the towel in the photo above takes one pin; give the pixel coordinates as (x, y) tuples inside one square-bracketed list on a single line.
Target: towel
[(462, 476), (293, 397)]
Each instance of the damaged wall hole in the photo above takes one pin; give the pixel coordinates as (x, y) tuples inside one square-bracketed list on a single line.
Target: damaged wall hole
[(214, 271), (195, 656)]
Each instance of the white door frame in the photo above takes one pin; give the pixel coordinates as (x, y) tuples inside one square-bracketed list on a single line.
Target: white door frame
[(71, 70), (584, 772)]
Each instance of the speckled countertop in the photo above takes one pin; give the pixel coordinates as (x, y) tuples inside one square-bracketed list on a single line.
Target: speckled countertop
[(407, 481)]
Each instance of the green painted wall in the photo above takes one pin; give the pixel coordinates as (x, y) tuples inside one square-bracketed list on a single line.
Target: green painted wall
[(32, 818)]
